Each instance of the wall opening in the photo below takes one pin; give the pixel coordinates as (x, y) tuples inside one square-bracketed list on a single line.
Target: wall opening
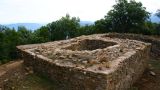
[(90, 45)]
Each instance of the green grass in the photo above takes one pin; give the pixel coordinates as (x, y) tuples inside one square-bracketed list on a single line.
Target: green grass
[(134, 88), (155, 64), (34, 82)]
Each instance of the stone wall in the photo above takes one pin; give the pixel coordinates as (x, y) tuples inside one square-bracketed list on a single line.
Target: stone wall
[(155, 48), (127, 61), (129, 71)]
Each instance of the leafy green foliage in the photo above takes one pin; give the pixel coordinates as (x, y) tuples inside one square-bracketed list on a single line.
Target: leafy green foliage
[(86, 30), (9, 39), (103, 26), (65, 27), (124, 17), (41, 35), (25, 35)]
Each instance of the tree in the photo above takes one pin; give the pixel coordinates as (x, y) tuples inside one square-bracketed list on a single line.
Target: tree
[(41, 35), (102, 26), (24, 35), (126, 17), (9, 39), (86, 30), (66, 26)]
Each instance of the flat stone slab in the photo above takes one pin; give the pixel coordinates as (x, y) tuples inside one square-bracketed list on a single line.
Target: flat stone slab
[(93, 62)]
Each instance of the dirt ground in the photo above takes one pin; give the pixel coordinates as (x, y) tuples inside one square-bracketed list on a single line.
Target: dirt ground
[(150, 79), (14, 76)]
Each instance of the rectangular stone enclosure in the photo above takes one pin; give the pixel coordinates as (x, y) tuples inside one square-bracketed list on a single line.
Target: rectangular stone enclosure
[(94, 62)]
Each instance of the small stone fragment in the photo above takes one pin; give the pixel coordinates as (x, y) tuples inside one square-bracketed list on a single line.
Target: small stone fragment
[(84, 73), (6, 80), (13, 88), (26, 73), (85, 62), (27, 68), (152, 73), (31, 72)]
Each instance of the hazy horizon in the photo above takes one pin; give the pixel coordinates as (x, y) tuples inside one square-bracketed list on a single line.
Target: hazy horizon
[(44, 11)]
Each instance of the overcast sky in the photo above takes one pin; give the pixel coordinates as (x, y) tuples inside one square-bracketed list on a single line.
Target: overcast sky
[(44, 11)]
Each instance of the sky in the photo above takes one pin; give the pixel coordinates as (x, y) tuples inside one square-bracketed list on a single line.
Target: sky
[(44, 11)]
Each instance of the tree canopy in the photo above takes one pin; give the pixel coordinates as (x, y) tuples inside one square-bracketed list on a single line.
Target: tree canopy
[(65, 27), (124, 17)]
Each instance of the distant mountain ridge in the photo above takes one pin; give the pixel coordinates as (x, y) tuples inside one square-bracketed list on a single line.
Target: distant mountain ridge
[(34, 26), (83, 23), (30, 26), (155, 19)]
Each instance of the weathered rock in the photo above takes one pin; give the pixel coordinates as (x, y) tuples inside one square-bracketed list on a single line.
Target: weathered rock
[(94, 62)]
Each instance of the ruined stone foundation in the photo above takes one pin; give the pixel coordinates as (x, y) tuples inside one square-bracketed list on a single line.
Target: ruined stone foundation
[(94, 62)]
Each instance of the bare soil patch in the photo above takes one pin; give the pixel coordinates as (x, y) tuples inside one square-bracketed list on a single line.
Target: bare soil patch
[(15, 76), (150, 79)]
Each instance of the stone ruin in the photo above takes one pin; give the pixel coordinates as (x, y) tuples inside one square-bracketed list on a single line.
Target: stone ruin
[(94, 62)]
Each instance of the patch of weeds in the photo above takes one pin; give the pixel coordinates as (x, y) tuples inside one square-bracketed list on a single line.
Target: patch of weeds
[(155, 64), (4, 61), (134, 88), (34, 82)]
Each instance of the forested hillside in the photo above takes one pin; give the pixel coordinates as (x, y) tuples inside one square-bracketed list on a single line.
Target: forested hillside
[(125, 17)]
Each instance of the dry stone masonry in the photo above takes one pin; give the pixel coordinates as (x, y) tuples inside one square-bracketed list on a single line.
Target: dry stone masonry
[(155, 47), (94, 62)]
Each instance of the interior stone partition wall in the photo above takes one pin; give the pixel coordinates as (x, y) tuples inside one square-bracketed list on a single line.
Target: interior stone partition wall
[(94, 62), (155, 48)]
